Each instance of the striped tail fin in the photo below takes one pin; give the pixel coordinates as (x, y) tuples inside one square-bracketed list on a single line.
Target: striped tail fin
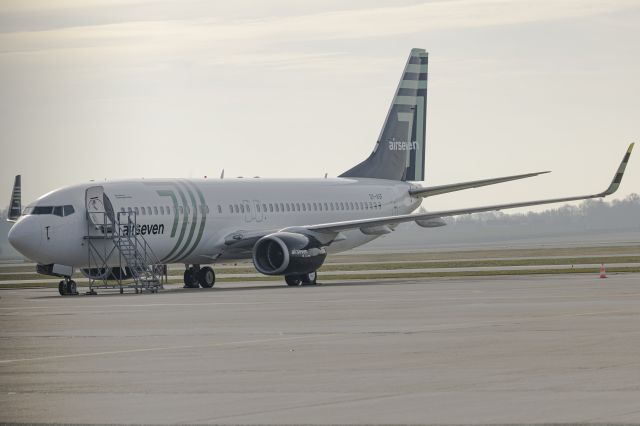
[(15, 206), (399, 153)]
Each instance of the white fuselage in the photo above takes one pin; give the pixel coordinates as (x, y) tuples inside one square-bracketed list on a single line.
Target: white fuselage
[(187, 220)]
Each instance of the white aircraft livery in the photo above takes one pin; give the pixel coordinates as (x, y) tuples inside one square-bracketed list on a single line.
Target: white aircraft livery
[(129, 229)]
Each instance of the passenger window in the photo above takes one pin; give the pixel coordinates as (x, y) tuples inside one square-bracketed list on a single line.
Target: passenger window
[(288, 207), (68, 210), (241, 208), (161, 210), (135, 209), (326, 206), (331, 205), (57, 210), (264, 207), (258, 208), (309, 206), (341, 205), (277, 209), (155, 210), (271, 207), (219, 209), (282, 207)]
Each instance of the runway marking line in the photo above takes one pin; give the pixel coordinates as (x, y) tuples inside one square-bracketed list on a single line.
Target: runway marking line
[(166, 348)]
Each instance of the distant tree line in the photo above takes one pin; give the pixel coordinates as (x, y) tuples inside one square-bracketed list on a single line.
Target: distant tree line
[(588, 215)]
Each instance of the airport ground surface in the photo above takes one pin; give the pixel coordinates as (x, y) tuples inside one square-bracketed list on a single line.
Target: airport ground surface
[(544, 348), (486, 261)]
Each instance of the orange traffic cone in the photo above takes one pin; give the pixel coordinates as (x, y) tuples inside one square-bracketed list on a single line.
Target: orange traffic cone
[(603, 273)]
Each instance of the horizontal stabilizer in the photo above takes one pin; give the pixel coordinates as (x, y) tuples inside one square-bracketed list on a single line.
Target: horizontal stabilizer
[(443, 189)]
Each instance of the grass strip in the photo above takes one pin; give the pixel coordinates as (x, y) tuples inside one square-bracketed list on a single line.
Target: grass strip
[(594, 271)]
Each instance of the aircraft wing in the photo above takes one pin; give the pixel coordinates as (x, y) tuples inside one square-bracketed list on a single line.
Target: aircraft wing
[(443, 189), (393, 220), (246, 239)]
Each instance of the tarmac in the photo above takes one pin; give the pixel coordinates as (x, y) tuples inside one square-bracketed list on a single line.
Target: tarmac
[(512, 349)]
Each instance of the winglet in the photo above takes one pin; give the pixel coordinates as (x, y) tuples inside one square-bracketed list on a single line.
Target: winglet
[(617, 178), (15, 205)]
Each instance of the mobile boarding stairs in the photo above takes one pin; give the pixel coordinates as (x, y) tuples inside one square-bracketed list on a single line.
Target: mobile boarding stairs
[(119, 257)]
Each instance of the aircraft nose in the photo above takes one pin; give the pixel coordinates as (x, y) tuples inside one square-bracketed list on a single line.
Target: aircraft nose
[(26, 236)]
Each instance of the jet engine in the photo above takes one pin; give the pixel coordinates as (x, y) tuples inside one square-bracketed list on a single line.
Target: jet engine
[(106, 273), (288, 253)]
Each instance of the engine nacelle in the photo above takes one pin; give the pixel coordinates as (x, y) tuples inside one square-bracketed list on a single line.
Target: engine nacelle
[(288, 253), (106, 273)]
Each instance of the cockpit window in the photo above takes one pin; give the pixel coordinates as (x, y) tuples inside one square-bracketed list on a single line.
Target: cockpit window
[(56, 210), (42, 210)]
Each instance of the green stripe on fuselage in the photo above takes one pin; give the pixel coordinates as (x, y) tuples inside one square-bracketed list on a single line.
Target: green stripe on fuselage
[(194, 221), (203, 219), (172, 195)]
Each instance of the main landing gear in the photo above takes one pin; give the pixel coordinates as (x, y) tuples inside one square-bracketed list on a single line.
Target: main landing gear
[(67, 287), (304, 279), (195, 276)]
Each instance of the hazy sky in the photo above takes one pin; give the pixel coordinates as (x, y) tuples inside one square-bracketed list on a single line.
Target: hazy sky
[(94, 89)]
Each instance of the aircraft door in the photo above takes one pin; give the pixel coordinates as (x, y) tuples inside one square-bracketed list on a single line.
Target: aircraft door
[(248, 214), (99, 209), (259, 214)]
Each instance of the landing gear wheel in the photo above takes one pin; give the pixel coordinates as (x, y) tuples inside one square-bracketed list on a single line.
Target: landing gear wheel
[(310, 278), (62, 288), (72, 288), (190, 279), (293, 280), (206, 277)]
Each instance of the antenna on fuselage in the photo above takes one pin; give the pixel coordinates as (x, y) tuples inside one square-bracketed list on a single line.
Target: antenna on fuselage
[(222, 174)]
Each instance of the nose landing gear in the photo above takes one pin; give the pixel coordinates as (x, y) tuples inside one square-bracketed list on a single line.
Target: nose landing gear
[(67, 287)]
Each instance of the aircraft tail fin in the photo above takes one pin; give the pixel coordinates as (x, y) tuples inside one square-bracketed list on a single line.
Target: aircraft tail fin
[(15, 205), (399, 153)]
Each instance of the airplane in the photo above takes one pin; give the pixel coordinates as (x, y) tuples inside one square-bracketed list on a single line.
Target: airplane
[(287, 227)]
